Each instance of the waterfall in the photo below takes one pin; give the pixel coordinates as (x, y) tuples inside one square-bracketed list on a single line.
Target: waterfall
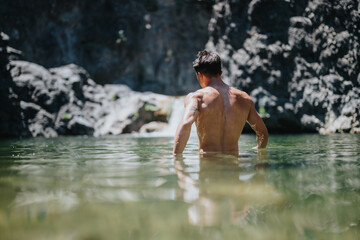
[(177, 110)]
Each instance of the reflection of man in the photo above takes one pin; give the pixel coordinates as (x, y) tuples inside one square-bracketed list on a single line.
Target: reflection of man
[(222, 191), (219, 111)]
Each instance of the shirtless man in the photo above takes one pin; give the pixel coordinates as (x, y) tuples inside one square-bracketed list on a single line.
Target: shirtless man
[(218, 110)]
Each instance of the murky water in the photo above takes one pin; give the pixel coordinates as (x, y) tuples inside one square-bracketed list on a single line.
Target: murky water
[(302, 187)]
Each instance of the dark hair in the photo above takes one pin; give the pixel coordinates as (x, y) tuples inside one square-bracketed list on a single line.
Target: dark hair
[(207, 63)]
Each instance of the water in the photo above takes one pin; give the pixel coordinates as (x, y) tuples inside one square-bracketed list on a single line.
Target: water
[(302, 187)]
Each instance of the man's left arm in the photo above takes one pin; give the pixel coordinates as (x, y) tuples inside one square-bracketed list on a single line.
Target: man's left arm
[(189, 116)]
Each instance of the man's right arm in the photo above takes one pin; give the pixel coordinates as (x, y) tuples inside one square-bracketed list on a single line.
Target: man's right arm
[(258, 126), (183, 130)]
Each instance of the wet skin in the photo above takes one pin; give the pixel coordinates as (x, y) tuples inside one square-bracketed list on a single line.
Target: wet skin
[(220, 113)]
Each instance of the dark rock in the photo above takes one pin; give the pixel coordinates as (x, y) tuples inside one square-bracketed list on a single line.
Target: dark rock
[(299, 60), (75, 77), (80, 126), (39, 122), (36, 84), (148, 45), (12, 122)]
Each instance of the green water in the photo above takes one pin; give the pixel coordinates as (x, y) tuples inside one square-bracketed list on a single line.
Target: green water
[(302, 187)]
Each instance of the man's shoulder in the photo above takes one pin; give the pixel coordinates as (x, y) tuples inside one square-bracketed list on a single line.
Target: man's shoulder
[(195, 94), (241, 95), (198, 95)]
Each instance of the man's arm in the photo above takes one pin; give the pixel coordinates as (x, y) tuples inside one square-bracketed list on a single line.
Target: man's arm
[(183, 130), (258, 126)]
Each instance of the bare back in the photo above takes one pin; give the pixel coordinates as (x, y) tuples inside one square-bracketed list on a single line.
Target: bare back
[(223, 112), (220, 113)]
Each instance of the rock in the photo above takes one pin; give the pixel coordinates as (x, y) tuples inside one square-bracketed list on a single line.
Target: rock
[(80, 126), (293, 53), (4, 38), (153, 127), (36, 84), (39, 122), (65, 101), (311, 122), (341, 124), (12, 123), (132, 110), (300, 22), (74, 75), (144, 44)]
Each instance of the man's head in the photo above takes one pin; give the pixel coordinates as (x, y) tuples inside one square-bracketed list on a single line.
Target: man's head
[(208, 64)]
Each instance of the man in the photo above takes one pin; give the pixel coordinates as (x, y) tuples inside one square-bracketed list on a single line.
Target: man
[(218, 110)]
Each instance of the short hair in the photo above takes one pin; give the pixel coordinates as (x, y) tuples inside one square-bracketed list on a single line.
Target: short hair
[(207, 63)]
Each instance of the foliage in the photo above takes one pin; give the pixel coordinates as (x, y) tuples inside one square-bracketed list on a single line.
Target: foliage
[(121, 37), (67, 116), (150, 107)]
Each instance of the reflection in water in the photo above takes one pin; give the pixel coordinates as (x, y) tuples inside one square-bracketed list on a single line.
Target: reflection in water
[(225, 188), (303, 187)]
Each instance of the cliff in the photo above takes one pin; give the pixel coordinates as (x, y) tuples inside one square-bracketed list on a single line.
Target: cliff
[(299, 60), (146, 44)]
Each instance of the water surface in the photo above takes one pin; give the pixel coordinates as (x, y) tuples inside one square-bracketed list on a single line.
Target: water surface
[(302, 187)]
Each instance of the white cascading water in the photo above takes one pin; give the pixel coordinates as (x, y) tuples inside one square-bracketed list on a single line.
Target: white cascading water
[(175, 117), (177, 110)]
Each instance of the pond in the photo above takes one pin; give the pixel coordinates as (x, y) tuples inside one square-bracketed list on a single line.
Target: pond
[(128, 187)]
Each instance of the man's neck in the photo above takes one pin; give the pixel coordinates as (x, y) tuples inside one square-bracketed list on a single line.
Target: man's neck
[(213, 81), (216, 82)]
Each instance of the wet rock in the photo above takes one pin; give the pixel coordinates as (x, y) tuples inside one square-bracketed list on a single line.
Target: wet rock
[(153, 127)]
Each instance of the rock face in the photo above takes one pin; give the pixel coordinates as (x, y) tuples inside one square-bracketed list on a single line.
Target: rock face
[(299, 60), (147, 44), (11, 120)]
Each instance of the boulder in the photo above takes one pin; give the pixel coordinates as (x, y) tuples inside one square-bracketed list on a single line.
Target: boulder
[(66, 101), (154, 126)]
